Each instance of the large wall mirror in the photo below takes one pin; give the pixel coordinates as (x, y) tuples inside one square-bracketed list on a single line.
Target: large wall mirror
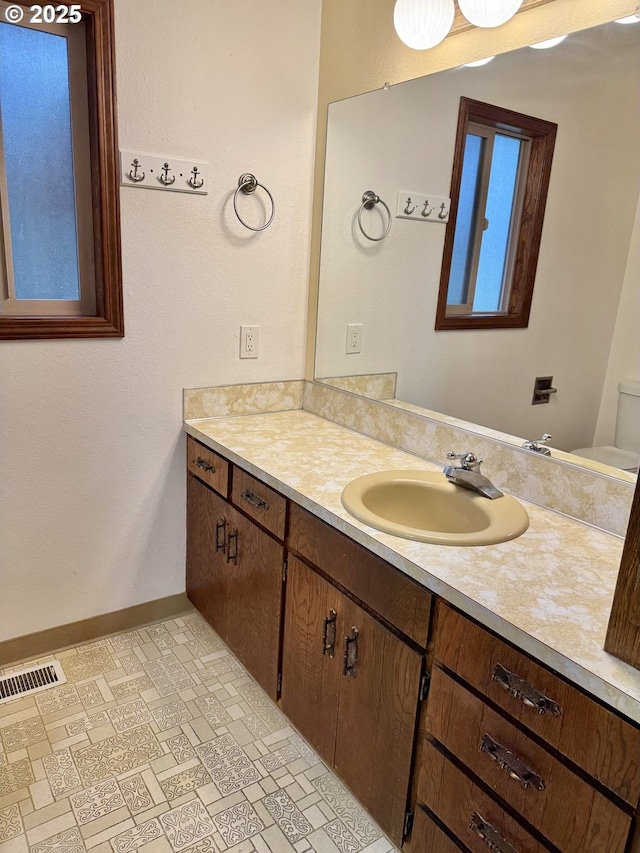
[(584, 326)]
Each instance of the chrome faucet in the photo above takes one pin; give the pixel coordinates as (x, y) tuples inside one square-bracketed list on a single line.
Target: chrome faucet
[(468, 475), (537, 445)]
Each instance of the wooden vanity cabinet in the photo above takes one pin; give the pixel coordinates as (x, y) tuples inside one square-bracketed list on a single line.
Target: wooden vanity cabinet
[(235, 576)]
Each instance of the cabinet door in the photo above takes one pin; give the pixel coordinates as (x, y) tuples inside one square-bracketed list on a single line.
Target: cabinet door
[(253, 563), (379, 687), (311, 665), (207, 573)]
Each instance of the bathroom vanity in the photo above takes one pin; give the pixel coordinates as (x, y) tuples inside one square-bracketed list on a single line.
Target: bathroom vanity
[(462, 694)]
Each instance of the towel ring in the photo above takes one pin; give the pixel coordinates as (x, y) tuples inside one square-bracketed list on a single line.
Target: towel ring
[(369, 200), (248, 184)]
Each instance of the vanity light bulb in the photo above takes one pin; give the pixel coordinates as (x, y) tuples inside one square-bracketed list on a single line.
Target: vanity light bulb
[(489, 13), (630, 19), (478, 62), (543, 45), (422, 24)]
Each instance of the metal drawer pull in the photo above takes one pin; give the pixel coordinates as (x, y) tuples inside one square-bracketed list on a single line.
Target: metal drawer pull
[(329, 634), (490, 835), (206, 466), (524, 691), (509, 761), (232, 558), (221, 525), (255, 500), (350, 657)]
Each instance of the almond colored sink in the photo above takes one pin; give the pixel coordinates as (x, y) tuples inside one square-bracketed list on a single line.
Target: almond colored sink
[(423, 505)]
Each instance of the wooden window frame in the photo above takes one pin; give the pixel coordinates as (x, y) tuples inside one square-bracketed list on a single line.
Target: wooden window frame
[(542, 135), (108, 321)]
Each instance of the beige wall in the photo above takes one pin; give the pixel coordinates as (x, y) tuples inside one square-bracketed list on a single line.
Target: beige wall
[(360, 51), (92, 459)]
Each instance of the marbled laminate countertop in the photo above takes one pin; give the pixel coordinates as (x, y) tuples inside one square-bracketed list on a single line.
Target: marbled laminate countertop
[(549, 591)]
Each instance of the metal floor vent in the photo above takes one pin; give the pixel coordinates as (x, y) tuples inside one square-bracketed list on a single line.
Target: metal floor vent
[(32, 679)]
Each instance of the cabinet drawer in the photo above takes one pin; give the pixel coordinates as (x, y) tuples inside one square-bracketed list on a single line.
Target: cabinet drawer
[(259, 502), (398, 599), (427, 837), (599, 741), (461, 806), (522, 773), (208, 466)]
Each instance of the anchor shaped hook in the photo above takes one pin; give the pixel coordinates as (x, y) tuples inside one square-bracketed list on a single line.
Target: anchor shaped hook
[(133, 175), (193, 180), (443, 214), (406, 210), (164, 177), (426, 210)]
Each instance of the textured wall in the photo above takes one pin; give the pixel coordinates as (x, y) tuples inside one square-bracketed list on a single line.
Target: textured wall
[(92, 460)]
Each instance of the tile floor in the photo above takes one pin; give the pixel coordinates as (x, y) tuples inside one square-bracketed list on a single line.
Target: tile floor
[(160, 742)]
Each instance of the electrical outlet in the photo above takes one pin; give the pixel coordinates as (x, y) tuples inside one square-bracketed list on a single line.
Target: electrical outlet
[(354, 337), (249, 339)]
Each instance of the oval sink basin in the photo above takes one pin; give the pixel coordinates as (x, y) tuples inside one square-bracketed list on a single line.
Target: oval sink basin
[(425, 506)]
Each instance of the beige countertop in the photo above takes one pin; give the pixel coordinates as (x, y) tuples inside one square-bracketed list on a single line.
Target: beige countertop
[(549, 592)]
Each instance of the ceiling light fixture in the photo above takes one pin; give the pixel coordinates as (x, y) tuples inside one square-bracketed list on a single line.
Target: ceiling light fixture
[(543, 45), (489, 13), (422, 24)]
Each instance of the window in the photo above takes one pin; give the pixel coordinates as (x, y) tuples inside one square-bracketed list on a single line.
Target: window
[(60, 270), (501, 170)]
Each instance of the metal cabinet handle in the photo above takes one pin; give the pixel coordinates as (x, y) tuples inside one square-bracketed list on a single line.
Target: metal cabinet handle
[(524, 691), (490, 835), (509, 762), (206, 466), (350, 656), (329, 634), (221, 525), (232, 537), (255, 500)]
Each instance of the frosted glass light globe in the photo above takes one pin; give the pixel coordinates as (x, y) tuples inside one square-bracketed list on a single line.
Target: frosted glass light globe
[(489, 13), (543, 45), (422, 24)]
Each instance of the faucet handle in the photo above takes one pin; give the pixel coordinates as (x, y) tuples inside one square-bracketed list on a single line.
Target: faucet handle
[(535, 444), (468, 460)]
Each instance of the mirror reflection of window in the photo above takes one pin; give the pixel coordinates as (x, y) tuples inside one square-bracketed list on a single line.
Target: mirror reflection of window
[(499, 186)]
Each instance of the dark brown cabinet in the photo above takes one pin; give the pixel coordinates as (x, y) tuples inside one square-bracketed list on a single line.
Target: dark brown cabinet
[(351, 686)]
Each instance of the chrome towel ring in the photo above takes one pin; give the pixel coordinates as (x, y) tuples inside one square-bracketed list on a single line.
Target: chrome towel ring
[(248, 184), (369, 200)]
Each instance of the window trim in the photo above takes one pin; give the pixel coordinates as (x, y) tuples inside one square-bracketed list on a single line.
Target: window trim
[(542, 134), (108, 321)]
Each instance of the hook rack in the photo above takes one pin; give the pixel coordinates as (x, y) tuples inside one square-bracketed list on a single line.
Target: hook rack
[(247, 184), (369, 200)]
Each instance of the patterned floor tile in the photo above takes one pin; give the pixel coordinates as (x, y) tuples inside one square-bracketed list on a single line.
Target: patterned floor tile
[(87, 723), (85, 664), (346, 808), (58, 698), (228, 764), (89, 694), (159, 635), (181, 748), (213, 711), (126, 641), (187, 825), (16, 776), (131, 687), (130, 664), (168, 675), (133, 838), (207, 845), (136, 794), (117, 754), (287, 815), (10, 823), (305, 750), (255, 726), (170, 715), (263, 707), (97, 801), (68, 841), (185, 781), (130, 715), (61, 772), (279, 758), (212, 671), (238, 823), (22, 734), (341, 837)]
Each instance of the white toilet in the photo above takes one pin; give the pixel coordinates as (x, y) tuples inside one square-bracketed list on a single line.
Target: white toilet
[(626, 453)]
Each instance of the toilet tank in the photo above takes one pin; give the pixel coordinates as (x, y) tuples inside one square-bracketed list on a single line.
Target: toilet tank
[(628, 420)]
